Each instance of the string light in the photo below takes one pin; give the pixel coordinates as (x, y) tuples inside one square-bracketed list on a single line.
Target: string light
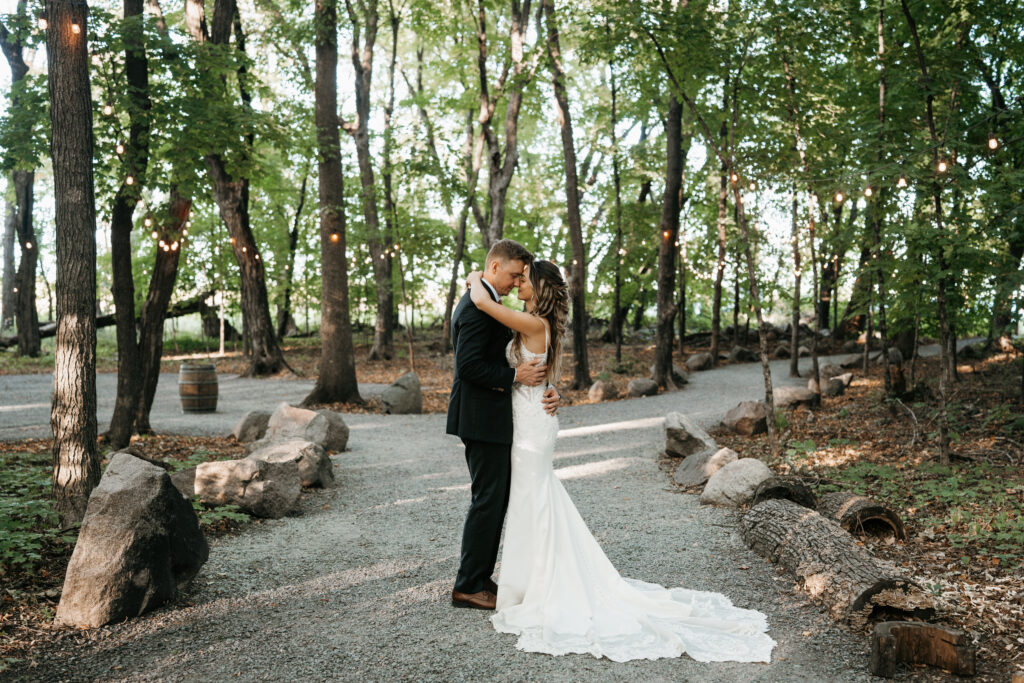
[(868, 191), (734, 178), (902, 182), (75, 28), (153, 234), (993, 143), (166, 248), (245, 249), (174, 245), (943, 166), (575, 262), (335, 237), (666, 234), (28, 245), (184, 233), (162, 243), (119, 148), (148, 222), (188, 224), (839, 197), (753, 186), (257, 257), (108, 109), (130, 180)]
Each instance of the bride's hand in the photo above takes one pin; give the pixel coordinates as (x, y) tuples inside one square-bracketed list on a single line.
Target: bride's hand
[(477, 291)]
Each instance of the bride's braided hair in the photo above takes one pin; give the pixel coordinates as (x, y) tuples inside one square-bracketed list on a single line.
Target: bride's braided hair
[(551, 302)]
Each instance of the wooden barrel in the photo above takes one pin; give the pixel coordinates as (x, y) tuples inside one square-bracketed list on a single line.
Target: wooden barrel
[(197, 387)]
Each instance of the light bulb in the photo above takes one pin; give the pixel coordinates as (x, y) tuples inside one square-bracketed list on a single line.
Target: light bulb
[(166, 248), (75, 28), (162, 243), (245, 249), (943, 166), (174, 245), (28, 245), (839, 197), (666, 234), (232, 240), (148, 222), (868, 192), (153, 234), (992, 142), (335, 237), (184, 233), (257, 257), (129, 180), (753, 186), (108, 109), (902, 182), (188, 224), (119, 148), (575, 262)]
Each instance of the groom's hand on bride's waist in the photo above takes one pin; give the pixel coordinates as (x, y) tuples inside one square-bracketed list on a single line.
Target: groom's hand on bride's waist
[(550, 401), (531, 374)]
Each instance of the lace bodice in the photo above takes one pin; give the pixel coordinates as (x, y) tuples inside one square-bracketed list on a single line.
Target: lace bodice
[(526, 354)]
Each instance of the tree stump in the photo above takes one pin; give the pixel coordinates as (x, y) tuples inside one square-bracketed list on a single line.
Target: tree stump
[(860, 515), (787, 488), (831, 566), (912, 642)]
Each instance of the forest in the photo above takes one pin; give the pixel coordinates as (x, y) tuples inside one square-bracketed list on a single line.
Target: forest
[(260, 176)]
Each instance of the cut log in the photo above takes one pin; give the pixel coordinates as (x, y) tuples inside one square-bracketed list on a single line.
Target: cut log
[(787, 488), (912, 642), (862, 516), (828, 563)]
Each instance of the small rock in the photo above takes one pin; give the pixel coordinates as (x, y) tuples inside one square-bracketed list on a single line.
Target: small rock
[(747, 419), (265, 489), (139, 545), (315, 467), (252, 426), (791, 397), (829, 370), (738, 354), (734, 485), (404, 396), (700, 361), (834, 387), (803, 352), (642, 387), (602, 391), (679, 376), (846, 377), (699, 467), (683, 437), (325, 428)]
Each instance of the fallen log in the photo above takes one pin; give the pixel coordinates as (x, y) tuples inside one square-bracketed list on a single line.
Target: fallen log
[(912, 642), (194, 305), (860, 515), (828, 563), (787, 488)]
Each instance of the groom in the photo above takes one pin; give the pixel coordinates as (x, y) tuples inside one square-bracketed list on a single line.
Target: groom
[(480, 413)]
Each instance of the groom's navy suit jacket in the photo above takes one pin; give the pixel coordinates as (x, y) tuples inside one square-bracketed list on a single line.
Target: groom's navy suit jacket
[(480, 405)]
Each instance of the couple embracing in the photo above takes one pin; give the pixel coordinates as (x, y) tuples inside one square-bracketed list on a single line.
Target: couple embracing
[(556, 590)]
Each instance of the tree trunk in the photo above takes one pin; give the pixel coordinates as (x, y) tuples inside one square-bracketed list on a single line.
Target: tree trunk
[(828, 563), (154, 310), (618, 314), (121, 222), (7, 296), (25, 311), (578, 272), (502, 163), (668, 234), (336, 380), (284, 314), (723, 194), (472, 164), (76, 465), (794, 339)]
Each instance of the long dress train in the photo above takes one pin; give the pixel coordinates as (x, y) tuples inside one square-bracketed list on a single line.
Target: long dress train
[(559, 592)]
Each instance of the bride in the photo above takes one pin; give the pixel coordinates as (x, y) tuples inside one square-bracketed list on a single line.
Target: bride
[(556, 588)]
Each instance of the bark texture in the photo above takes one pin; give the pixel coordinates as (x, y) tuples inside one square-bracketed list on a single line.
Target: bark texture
[(76, 466), (336, 381), (828, 563)]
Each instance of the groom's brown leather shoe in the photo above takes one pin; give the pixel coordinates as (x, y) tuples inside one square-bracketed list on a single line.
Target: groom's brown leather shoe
[(481, 600)]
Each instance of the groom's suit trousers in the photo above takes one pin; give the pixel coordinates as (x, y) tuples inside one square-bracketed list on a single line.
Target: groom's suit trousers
[(491, 472)]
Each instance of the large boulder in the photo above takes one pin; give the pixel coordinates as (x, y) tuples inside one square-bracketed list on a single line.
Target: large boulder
[(835, 386), (781, 351), (315, 467), (852, 361), (642, 387), (734, 485), (738, 354), (252, 426), (747, 419), (185, 481), (792, 397), (698, 468), (700, 361), (602, 390), (684, 437), (325, 428), (259, 487), (139, 545), (679, 376), (404, 396), (829, 370)]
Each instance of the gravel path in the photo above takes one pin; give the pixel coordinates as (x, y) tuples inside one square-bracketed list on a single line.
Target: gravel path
[(357, 587)]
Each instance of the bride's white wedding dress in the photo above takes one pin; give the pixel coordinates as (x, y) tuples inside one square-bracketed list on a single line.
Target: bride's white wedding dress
[(560, 594)]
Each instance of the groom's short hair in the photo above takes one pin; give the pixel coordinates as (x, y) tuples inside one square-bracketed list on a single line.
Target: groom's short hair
[(509, 250)]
